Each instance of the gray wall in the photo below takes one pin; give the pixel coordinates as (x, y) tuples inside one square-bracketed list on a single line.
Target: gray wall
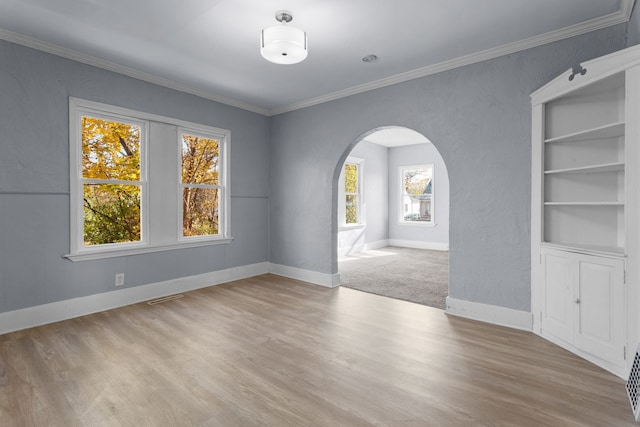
[(475, 115), (375, 197), (479, 118), (34, 180), (415, 155)]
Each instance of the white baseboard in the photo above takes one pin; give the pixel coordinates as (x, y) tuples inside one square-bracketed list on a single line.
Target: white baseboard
[(322, 279), (56, 311), (493, 314), (417, 244), (619, 371), (370, 246)]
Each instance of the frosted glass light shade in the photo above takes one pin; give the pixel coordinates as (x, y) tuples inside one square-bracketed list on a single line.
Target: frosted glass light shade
[(283, 44)]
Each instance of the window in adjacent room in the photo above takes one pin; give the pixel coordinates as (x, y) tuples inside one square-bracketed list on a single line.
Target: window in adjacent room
[(416, 194), (143, 183), (351, 203)]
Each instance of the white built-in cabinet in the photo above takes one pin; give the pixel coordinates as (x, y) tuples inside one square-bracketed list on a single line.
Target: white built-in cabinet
[(584, 302), (585, 138)]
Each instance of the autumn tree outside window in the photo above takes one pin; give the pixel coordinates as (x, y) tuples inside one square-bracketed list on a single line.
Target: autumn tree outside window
[(142, 182), (350, 193), (200, 185), (112, 179)]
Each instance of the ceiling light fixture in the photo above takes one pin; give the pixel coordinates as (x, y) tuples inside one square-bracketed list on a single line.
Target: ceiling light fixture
[(283, 44)]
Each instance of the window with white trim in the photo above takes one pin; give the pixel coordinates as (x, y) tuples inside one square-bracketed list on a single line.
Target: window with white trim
[(416, 194), (143, 183), (200, 172), (113, 178), (350, 193)]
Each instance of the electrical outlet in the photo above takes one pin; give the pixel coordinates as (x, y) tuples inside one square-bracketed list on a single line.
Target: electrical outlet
[(119, 279)]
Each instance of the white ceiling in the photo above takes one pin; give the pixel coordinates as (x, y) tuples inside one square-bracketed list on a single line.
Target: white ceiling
[(396, 137), (211, 47)]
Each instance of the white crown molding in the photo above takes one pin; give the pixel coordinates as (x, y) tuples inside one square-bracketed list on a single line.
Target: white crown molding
[(621, 16), (120, 69)]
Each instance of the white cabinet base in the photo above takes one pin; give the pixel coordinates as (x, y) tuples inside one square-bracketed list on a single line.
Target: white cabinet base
[(583, 305)]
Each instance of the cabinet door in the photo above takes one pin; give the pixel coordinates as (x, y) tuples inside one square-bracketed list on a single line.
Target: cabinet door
[(557, 312), (600, 310)]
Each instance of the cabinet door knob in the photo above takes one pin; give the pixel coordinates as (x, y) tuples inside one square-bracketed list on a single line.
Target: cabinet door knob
[(577, 300)]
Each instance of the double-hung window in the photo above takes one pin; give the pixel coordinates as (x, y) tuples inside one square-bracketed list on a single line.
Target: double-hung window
[(113, 183), (143, 183), (416, 194), (350, 193), (200, 183)]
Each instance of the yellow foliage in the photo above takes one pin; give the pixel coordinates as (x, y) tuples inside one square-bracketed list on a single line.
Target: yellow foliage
[(110, 150)]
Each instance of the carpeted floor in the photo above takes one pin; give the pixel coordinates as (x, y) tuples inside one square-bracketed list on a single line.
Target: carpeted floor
[(416, 275)]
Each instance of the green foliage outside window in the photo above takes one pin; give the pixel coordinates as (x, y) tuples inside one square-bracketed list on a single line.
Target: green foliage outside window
[(111, 214), (110, 151)]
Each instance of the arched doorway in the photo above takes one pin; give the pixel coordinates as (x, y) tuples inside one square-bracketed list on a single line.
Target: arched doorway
[(393, 217)]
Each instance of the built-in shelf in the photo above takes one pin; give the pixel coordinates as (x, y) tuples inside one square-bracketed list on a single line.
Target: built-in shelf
[(584, 203), (602, 132), (592, 249), (606, 167), (583, 168)]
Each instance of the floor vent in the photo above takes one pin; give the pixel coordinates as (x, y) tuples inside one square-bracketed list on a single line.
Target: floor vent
[(633, 385), (165, 299)]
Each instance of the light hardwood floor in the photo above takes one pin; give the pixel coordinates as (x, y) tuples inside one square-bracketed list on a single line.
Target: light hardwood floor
[(270, 351)]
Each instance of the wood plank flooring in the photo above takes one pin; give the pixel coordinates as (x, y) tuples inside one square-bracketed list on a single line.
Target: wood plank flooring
[(271, 351)]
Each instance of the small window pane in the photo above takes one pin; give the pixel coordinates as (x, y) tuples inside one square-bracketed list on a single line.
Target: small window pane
[(350, 178), (111, 214), (110, 150), (352, 209), (200, 211), (200, 160)]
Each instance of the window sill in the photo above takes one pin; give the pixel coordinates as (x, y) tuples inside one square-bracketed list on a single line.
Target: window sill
[(417, 223), (120, 252), (351, 227)]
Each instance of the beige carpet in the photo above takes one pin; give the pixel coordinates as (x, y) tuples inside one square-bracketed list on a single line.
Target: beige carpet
[(416, 275)]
